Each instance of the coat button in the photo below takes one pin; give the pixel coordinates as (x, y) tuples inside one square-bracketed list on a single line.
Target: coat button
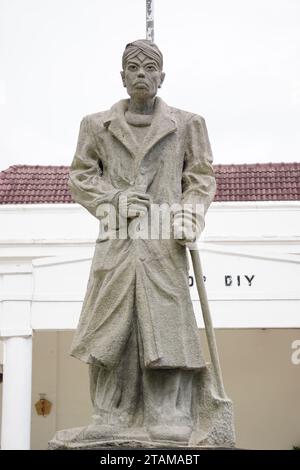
[(142, 171), (131, 183), (142, 258)]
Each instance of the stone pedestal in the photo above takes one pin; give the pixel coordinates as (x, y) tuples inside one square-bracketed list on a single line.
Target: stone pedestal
[(213, 427)]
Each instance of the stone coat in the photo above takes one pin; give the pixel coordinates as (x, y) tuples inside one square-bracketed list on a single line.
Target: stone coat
[(143, 277)]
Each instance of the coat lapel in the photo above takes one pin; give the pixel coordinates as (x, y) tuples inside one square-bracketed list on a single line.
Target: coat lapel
[(119, 128), (162, 125)]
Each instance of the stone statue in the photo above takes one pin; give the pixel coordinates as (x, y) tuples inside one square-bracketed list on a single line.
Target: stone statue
[(148, 379)]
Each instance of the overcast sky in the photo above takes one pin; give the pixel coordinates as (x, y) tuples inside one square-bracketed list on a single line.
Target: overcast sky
[(235, 62)]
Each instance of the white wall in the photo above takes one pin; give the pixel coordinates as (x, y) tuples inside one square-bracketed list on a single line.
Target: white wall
[(51, 246), (267, 224)]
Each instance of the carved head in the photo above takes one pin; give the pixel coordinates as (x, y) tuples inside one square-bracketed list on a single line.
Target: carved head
[(142, 72)]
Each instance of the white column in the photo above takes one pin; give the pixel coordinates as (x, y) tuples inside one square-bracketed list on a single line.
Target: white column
[(16, 397)]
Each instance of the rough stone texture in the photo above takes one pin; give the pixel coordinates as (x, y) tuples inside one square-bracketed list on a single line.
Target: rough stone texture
[(137, 331), (214, 426), (151, 273)]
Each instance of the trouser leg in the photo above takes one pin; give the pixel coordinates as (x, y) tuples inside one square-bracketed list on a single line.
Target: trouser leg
[(116, 393), (168, 404), (167, 400), (168, 396)]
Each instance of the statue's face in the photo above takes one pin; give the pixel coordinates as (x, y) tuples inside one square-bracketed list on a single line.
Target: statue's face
[(142, 77)]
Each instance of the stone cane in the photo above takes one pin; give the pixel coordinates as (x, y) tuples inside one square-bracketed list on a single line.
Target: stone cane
[(210, 334)]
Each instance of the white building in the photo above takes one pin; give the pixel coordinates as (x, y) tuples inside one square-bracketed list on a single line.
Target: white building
[(250, 251)]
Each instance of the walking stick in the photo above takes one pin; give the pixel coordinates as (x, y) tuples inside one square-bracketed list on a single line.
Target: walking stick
[(210, 334)]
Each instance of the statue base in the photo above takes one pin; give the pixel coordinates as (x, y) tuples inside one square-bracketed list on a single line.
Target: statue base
[(126, 443), (213, 427), (71, 439), (219, 435)]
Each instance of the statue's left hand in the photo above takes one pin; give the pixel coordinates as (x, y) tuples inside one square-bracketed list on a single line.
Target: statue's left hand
[(186, 228), (184, 234)]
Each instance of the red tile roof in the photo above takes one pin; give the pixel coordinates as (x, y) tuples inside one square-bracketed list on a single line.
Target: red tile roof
[(258, 182), (33, 184)]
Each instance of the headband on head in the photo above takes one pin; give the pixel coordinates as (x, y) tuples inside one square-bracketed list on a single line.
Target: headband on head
[(146, 47)]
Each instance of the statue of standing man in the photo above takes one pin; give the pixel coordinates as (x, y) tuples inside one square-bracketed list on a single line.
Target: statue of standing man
[(137, 330)]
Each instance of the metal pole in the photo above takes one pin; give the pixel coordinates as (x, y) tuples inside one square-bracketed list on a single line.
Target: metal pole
[(150, 20), (209, 329)]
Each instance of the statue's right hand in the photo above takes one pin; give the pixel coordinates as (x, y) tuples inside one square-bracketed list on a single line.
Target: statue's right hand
[(133, 203)]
